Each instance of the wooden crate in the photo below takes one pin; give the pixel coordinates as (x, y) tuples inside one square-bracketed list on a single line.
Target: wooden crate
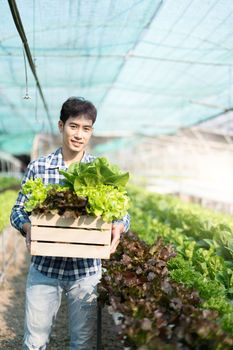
[(83, 237)]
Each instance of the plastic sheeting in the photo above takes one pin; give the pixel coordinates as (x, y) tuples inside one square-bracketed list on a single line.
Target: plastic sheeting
[(150, 66)]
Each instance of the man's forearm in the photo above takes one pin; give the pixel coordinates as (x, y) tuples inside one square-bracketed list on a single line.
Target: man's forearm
[(26, 227)]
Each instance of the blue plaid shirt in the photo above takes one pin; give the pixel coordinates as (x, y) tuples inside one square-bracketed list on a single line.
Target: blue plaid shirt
[(47, 168)]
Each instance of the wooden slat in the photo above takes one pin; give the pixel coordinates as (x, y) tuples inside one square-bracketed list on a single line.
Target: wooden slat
[(57, 234), (70, 250), (84, 221)]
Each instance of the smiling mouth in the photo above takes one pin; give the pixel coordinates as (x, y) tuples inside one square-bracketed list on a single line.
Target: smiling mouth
[(77, 142)]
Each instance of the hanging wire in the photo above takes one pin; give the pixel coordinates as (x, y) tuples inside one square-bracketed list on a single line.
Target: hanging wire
[(20, 29), (34, 59), (26, 96)]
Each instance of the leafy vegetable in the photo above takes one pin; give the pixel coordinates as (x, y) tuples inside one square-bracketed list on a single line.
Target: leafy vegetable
[(202, 240), (105, 201), (38, 193), (100, 171), (104, 186), (96, 188), (63, 202), (156, 312)]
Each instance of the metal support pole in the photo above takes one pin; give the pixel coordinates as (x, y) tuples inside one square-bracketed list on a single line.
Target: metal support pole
[(99, 327)]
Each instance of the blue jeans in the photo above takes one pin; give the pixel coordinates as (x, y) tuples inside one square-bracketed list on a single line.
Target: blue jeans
[(43, 299)]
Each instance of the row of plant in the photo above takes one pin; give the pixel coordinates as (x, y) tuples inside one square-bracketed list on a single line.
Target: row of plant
[(156, 312), (203, 261), (209, 227), (7, 200), (8, 183)]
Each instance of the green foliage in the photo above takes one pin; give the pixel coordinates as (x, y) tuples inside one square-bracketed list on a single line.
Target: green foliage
[(202, 239), (104, 186), (183, 271), (106, 201), (98, 172), (158, 313), (7, 200), (96, 188), (37, 192), (8, 182)]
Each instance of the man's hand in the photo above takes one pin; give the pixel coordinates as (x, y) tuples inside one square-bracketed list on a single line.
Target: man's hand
[(117, 229), (27, 229)]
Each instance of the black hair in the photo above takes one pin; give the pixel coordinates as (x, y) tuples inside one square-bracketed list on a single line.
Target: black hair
[(77, 106)]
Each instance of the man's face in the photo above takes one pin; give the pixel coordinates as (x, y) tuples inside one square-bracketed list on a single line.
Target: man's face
[(76, 133)]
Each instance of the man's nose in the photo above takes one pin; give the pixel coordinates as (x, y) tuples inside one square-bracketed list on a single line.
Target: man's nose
[(78, 133)]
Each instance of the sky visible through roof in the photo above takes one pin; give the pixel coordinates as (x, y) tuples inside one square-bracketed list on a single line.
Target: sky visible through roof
[(149, 66)]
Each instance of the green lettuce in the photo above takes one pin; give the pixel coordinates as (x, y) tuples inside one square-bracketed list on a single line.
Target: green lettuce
[(99, 186), (104, 186), (105, 201), (36, 191), (100, 171)]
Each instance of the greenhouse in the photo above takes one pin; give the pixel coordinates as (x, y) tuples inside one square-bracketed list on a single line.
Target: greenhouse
[(153, 173)]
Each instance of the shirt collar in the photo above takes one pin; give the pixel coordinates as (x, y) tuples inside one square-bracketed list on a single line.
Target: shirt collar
[(56, 160)]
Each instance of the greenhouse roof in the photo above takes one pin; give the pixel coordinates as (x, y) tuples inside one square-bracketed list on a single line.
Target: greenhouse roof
[(150, 66)]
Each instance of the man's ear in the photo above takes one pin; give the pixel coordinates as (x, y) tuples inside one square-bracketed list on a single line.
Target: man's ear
[(60, 125)]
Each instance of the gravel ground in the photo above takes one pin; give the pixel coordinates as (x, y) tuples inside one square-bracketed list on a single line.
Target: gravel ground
[(12, 296)]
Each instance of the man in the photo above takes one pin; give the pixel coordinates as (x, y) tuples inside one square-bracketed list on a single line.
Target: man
[(48, 277)]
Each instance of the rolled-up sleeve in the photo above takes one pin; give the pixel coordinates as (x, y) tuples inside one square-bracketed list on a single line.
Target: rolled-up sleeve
[(125, 221)]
